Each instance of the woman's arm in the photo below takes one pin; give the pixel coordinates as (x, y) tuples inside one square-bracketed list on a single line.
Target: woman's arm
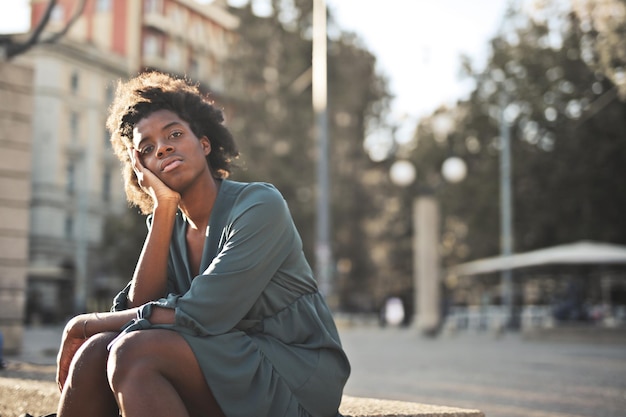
[(79, 329), (150, 278), (82, 327)]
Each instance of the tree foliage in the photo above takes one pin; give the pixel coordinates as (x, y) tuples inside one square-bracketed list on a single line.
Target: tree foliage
[(567, 138), (268, 107), (269, 79), (603, 23), (122, 242)]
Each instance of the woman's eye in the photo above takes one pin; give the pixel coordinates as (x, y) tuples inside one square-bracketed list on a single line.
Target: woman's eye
[(176, 134), (146, 149)]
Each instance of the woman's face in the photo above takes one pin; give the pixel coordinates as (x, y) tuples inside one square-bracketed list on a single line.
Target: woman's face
[(168, 147)]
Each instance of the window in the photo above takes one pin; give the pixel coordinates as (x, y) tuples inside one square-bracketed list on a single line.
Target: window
[(74, 82), (153, 6), (106, 184), (194, 68), (69, 227), (173, 56), (107, 140), (197, 32), (74, 126), (58, 14), (103, 5), (70, 172), (109, 94), (151, 46), (177, 16)]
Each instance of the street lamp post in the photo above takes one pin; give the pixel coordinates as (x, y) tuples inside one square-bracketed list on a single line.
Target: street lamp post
[(426, 263), (323, 252), (506, 211), (425, 215)]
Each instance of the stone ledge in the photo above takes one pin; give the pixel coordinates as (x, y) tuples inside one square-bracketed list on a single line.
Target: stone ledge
[(18, 396), (370, 407)]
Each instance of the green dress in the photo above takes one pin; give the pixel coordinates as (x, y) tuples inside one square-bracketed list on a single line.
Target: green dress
[(262, 333)]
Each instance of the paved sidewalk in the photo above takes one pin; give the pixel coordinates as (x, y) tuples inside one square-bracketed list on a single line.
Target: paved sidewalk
[(39, 346), (502, 375), (28, 385)]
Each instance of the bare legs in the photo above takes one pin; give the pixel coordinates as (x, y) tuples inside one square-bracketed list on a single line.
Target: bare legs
[(86, 391), (155, 373), (148, 373)]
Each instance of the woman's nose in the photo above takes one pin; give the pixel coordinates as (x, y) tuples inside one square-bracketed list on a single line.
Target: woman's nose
[(163, 150)]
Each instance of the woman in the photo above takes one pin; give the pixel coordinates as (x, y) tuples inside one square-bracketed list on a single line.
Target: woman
[(222, 316)]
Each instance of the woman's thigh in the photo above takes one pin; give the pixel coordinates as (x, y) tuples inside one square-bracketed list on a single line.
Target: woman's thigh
[(86, 390), (167, 353)]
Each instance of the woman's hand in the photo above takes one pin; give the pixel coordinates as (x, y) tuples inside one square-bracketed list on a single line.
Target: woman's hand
[(149, 182), (73, 339), (79, 329)]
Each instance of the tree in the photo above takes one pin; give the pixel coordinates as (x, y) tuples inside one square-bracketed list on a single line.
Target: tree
[(603, 23), (568, 151), (12, 46), (269, 82), (123, 239)]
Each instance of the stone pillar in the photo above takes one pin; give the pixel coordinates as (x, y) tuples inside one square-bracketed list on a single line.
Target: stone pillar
[(426, 265), (16, 103)]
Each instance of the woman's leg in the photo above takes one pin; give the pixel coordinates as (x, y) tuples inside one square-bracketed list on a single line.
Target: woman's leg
[(86, 391), (155, 373)]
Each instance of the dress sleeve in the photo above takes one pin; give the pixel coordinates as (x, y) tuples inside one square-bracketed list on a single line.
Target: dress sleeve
[(259, 237)]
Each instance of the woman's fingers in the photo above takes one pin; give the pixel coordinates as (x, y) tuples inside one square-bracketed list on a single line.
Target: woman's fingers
[(139, 169), (148, 181), (68, 349)]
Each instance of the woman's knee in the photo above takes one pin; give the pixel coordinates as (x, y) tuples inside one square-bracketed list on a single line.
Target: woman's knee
[(130, 358), (91, 358), (93, 353)]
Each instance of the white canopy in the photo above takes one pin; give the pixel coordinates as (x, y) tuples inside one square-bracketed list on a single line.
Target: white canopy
[(584, 252)]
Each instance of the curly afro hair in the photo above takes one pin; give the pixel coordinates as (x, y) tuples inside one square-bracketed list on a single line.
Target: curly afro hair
[(151, 91)]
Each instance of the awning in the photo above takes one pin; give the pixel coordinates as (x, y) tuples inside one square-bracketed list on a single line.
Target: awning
[(580, 253)]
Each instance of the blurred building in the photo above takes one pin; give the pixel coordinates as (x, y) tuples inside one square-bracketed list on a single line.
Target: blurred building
[(16, 101), (76, 182)]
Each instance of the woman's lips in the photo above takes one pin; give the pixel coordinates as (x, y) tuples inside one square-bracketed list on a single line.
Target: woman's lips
[(169, 166)]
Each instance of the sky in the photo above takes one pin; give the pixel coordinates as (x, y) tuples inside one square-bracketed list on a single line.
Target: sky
[(14, 15), (418, 43)]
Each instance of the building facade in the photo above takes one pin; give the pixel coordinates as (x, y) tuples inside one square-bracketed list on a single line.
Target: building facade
[(16, 109), (76, 183)]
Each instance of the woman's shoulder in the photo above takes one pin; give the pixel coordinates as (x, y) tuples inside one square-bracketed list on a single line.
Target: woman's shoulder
[(261, 198), (252, 190)]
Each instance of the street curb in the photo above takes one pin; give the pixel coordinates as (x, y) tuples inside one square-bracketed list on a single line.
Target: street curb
[(41, 397)]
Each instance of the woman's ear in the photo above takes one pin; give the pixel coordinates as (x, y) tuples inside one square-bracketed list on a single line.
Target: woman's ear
[(206, 145)]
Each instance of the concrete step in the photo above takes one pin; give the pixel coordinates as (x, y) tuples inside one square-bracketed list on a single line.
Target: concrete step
[(370, 407), (18, 396)]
